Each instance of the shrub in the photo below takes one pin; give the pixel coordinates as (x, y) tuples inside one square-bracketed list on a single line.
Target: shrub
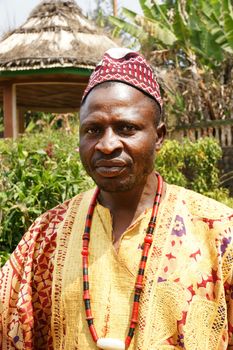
[(191, 164), (37, 172), (194, 166)]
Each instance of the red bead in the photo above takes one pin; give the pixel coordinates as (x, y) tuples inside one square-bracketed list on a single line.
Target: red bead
[(135, 312), (143, 265), (138, 286), (127, 341), (85, 244), (134, 320), (85, 252), (93, 333), (139, 279), (89, 318), (86, 236), (88, 314), (148, 239), (86, 294), (135, 308)]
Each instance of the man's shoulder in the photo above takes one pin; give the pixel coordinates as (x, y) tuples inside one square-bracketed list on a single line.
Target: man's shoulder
[(58, 212), (41, 236), (54, 215), (202, 206), (46, 226)]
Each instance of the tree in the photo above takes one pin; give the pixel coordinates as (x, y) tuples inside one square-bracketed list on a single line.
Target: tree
[(104, 8), (115, 7), (193, 40)]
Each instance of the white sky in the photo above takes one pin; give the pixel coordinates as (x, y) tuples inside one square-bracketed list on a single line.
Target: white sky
[(14, 13)]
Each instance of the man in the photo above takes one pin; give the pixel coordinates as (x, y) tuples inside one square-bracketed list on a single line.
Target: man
[(135, 264)]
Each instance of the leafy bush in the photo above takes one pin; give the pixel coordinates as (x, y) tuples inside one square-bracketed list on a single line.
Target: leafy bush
[(191, 164), (194, 166), (38, 171)]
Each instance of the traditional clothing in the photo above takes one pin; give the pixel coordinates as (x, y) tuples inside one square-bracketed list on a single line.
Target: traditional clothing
[(187, 299)]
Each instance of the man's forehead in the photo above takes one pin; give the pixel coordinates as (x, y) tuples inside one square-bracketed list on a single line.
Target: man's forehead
[(115, 93), (119, 99), (120, 89)]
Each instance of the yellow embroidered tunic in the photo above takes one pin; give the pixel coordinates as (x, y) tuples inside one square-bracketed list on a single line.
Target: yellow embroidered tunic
[(183, 304), (112, 278), (187, 299)]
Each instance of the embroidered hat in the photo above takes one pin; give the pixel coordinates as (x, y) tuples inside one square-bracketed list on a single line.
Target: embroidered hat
[(130, 67)]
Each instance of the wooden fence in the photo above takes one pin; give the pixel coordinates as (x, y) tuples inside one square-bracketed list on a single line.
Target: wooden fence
[(222, 130)]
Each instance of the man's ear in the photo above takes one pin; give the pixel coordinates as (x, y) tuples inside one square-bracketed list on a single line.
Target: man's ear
[(161, 133)]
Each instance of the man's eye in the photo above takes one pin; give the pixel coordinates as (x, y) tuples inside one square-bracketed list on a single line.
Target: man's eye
[(93, 130), (128, 128)]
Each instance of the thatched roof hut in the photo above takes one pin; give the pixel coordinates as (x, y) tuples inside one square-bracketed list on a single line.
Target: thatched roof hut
[(56, 46), (56, 34)]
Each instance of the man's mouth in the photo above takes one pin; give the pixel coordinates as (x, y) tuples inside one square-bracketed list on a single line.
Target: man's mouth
[(109, 171), (110, 163), (110, 168)]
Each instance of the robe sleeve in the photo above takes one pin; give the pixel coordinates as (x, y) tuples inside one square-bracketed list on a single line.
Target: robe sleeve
[(26, 285), (229, 300)]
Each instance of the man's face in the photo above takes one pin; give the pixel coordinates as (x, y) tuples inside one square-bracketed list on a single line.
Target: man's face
[(118, 136)]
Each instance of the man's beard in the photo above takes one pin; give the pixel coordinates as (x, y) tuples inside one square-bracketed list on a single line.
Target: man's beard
[(126, 184)]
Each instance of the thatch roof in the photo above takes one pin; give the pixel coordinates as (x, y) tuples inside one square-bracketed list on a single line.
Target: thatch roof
[(56, 34)]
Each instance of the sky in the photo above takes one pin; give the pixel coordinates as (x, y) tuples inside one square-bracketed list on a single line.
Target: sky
[(14, 13)]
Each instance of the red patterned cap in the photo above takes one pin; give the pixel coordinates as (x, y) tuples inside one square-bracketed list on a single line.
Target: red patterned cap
[(130, 67)]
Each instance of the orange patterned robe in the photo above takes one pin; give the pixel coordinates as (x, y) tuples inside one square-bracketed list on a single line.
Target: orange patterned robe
[(187, 301)]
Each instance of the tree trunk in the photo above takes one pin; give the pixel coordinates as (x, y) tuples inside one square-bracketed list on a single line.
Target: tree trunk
[(114, 2)]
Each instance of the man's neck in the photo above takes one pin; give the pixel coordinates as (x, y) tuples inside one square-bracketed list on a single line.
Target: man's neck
[(126, 207)]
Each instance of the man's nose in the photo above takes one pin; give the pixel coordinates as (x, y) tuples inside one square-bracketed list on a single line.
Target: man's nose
[(109, 142)]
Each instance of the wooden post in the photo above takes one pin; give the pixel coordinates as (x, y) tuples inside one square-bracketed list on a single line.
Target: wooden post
[(114, 7), (20, 118), (9, 110)]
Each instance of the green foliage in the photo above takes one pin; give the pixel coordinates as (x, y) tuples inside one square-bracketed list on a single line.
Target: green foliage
[(194, 166), (191, 45), (37, 172), (170, 163), (4, 256), (195, 27), (38, 121), (103, 9)]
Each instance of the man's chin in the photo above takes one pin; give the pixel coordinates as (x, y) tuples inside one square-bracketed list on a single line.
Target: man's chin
[(115, 185)]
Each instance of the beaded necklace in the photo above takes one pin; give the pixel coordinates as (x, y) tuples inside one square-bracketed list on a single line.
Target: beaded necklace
[(102, 342)]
